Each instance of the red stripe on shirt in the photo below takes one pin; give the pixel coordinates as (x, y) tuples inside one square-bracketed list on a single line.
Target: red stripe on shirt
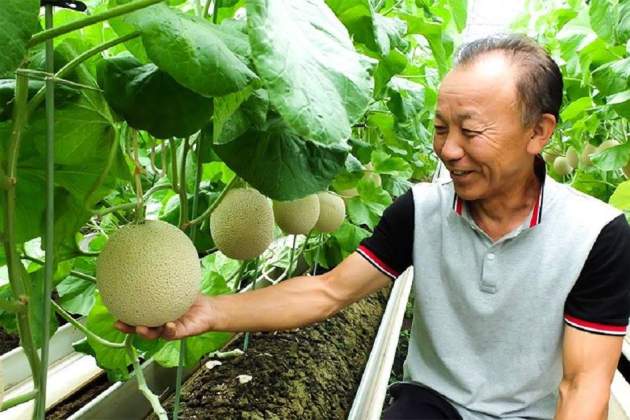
[(534, 221), (458, 206), (376, 260), (595, 325)]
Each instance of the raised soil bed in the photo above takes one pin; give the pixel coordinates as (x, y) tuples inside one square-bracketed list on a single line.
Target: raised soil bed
[(311, 372)]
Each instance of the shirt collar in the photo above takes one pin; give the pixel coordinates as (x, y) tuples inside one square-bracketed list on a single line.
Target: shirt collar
[(536, 217)]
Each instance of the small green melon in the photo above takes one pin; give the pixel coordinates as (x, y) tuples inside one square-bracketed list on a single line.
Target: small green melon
[(297, 217), (242, 224), (332, 211)]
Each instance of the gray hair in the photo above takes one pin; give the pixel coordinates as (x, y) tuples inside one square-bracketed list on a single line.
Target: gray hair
[(539, 83)]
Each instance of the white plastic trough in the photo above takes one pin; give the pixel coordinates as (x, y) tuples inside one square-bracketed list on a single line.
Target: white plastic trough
[(67, 372)]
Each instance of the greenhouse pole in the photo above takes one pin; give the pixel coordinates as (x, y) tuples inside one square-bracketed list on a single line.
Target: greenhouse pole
[(40, 402)]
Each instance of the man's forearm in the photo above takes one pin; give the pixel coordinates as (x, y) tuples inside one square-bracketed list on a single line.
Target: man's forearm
[(583, 399), (290, 304)]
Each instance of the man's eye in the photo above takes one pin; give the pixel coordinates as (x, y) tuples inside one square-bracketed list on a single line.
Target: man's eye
[(470, 133), (440, 129)]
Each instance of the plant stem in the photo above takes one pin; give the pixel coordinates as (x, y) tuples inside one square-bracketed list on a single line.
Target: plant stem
[(75, 62), (21, 399), (90, 20), (75, 273), (142, 384), (12, 307), (76, 324), (183, 194), (256, 267), (15, 268), (239, 278), (291, 255), (319, 247), (174, 173), (128, 206), (214, 204), (137, 176), (178, 380), (198, 174), (49, 266)]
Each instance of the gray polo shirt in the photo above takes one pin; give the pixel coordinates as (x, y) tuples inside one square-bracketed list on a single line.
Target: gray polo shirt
[(489, 316)]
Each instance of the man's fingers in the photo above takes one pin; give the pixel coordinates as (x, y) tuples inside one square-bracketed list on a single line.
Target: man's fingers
[(149, 333), (121, 326), (170, 331)]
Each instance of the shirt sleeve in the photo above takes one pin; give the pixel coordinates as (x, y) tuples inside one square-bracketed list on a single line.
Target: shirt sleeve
[(389, 249), (600, 299)]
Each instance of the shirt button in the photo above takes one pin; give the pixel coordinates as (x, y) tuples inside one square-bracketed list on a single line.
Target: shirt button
[(491, 257)]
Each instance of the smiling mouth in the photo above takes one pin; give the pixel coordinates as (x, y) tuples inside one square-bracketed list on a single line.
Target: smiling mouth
[(460, 173)]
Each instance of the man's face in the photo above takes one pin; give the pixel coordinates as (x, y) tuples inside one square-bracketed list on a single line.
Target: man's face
[(479, 134)]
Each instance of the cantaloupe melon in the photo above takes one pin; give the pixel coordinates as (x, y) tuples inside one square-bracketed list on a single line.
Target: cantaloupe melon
[(242, 224), (332, 211), (148, 274), (297, 217), (572, 157), (585, 157), (562, 166)]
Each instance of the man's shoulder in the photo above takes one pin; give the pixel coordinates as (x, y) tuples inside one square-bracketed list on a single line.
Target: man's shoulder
[(433, 196)]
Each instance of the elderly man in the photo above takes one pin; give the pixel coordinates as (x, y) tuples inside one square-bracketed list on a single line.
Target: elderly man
[(522, 289)]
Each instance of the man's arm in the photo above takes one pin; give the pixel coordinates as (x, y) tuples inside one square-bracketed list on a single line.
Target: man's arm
[(290, 304), (589, 362)]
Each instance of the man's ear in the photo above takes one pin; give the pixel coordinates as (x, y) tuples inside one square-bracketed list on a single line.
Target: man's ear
[(541, 132)]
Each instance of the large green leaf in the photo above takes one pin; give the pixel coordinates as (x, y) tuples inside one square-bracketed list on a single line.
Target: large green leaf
[(18, 21), (206, 58), (150, 99), (623, 26), (315, 79), (377, 32), (101, 322), (602, 13), (620, 102), (280, 164), (390, 65), (612, 158), (459, 10), (239, 112), (613, 77), (621, 197)]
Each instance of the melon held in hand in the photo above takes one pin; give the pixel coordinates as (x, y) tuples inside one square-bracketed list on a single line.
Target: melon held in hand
[(148, 274)]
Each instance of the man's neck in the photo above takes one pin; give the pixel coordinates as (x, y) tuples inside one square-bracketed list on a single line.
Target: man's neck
[(503, 212)]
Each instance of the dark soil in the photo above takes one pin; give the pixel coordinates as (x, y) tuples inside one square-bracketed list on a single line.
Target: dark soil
[(80, 398), (308, 373), (8, 341)]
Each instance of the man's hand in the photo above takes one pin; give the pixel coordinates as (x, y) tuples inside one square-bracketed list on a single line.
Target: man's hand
[(589, 362), (196, 320)]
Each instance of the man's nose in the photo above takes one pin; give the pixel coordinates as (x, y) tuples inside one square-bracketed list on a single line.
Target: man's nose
[(452, 148)]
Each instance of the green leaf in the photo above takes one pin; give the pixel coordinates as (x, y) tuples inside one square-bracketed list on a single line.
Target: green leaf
[(622, 28), (199, 55), (149, 99), (280, 164), (18, 21), (101, 323), (576, 108), (612, 77), (196, 348), (406, 98), (368, 208), (459, 9), (620, 103), (315, 79), (238, 112), (591, 183), (35, 305), (602, 13), (387, 164), (621, 197), (613, 158), (349, 236), (390, 65), (76, 295), (377, 32)]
